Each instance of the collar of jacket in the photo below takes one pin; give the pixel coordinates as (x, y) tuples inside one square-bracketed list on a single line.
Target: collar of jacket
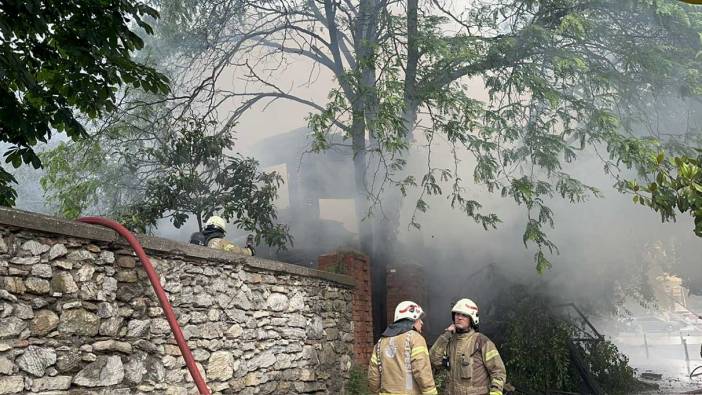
[(213, 233), (469, 333), (398, 328)]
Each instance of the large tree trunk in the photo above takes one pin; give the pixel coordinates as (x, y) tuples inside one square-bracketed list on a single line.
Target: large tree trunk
[(387, 225), (378, 237), (365, 105), (388, 222), (358, 141), (198, 216)]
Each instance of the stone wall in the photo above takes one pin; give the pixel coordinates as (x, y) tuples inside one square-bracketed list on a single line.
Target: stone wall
[(356, 265), (78, 316)]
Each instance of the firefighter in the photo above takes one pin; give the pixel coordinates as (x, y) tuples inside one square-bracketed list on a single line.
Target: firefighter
[(474, 364), (400, 362), (213, 237)]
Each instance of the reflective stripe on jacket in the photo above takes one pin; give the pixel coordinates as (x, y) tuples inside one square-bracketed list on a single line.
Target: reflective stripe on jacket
[(476, 367), (400, 365), (226, 245)]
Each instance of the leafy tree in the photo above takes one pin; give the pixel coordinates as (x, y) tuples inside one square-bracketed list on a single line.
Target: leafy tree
[(61, 60), (141, 176), (676, 184)]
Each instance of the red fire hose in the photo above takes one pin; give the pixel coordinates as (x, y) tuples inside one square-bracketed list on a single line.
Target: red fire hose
[(162, 297)]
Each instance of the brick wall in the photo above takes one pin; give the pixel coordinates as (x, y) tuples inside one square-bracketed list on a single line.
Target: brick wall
[(356, 266), (406, 282)]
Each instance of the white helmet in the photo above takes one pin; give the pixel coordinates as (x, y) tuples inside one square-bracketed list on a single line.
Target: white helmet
[(468, 308), (408, 310), (216, 221)]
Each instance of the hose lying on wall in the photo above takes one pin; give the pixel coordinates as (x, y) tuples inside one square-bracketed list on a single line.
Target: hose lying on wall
[(160, 293)]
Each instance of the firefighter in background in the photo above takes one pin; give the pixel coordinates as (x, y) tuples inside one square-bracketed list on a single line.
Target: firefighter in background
[(213, 236), (474, 364), (400, 362)]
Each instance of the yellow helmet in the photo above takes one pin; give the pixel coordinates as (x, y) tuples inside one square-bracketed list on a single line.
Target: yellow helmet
[(216, 221), (408, 310), (468, 308)]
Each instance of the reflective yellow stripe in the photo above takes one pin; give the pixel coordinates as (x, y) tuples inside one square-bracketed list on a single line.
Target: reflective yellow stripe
[(432, 391), (374, 359), (495, 392), (419, 350), (491, 354)]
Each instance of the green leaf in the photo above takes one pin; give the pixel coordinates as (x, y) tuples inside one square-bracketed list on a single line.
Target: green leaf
[(542, 264), (61, 64), (659, 158)]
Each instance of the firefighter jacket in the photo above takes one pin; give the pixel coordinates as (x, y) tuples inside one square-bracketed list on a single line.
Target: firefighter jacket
[(226, 245), (475, 366), (400, 365)]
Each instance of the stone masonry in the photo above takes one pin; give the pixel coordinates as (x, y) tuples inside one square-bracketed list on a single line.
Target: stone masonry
[(78, 316)]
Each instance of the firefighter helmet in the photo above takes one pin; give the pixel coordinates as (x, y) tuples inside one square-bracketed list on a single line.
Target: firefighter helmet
[(216, 221), (468, 308), (408, 310)]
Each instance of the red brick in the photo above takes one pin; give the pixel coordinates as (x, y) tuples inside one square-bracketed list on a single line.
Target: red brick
[(405, 282), (356, 266)]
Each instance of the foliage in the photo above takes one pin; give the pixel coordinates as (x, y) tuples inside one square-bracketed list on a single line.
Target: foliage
[(676, 184), (83, 178), (64, 59), (611, 368), (180, 171), (357, 383), (536, 351), (537, 354)]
